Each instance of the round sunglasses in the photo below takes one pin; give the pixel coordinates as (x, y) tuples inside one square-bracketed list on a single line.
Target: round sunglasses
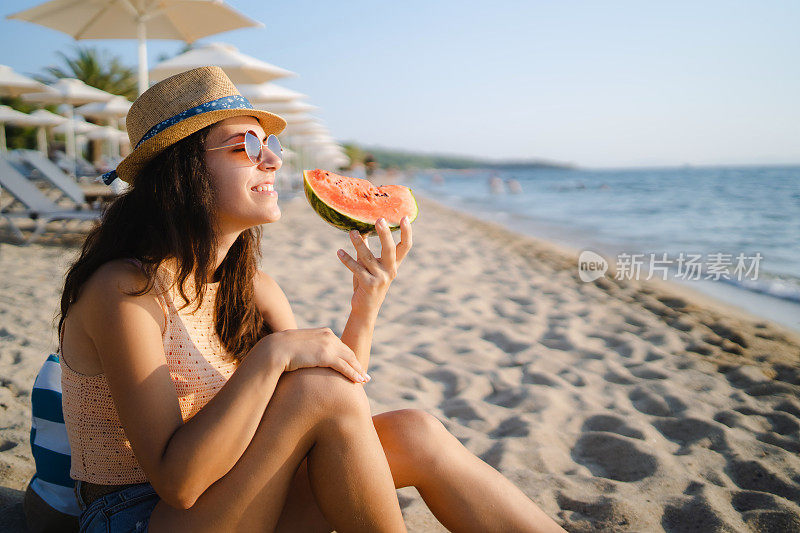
[(254, 148)]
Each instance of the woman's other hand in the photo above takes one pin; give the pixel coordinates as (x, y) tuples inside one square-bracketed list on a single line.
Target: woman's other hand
[(304, 348), (372, 276)]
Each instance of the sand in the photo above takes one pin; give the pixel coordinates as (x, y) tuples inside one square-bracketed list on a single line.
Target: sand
[(615, 405)]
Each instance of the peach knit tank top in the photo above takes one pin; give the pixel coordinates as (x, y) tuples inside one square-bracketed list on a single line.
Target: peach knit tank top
[(199, 366)]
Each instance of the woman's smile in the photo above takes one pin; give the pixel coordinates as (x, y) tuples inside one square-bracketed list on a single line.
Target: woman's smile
[(267, 189)]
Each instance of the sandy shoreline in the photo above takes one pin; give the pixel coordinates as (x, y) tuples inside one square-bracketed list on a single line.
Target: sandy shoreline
[(615, 405)]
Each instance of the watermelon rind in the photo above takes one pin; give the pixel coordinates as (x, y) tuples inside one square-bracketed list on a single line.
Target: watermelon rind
[(340, 220)]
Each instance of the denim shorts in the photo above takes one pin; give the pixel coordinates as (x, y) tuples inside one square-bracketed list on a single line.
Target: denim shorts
[(125, 510)]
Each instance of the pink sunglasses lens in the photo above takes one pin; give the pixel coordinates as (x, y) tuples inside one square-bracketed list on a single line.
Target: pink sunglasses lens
[(252, 147)]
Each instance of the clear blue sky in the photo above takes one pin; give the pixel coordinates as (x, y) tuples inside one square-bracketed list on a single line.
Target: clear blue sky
[(599, 84)]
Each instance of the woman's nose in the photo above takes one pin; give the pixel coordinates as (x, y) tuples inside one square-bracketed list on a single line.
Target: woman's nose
[(270, 161)]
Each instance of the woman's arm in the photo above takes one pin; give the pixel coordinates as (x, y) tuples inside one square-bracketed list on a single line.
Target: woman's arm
[(181, 460), (371, 279), (357, 335), (277, 312)]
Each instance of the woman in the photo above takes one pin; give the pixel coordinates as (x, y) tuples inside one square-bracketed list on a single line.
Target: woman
[(235, 420)]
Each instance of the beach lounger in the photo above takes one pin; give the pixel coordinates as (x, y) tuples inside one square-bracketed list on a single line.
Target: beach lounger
[(34, 205), (53, 175)]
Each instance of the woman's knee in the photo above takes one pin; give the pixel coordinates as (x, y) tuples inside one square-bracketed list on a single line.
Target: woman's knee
[(323, 390), (412, 429)]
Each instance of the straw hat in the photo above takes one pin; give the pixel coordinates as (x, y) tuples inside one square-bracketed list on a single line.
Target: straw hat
[(178, 106)]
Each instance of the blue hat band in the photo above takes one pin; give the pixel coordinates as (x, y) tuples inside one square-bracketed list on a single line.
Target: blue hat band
[(226, 102)]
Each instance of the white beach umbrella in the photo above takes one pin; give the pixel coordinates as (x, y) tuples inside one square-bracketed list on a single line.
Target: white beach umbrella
[(240, 68), (307, 128), (108, 133), (8, 114), (14, 84), (77, 125), (105, 133), (68, 91), (42, 119), (183, 20), (111, 109), (265, 93), (299, 118), (281, 108), (71, 92)]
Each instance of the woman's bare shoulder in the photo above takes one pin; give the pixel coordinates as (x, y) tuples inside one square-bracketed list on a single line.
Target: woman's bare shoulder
[(117, 275), (113, 284), (99, 302), (272, 303)]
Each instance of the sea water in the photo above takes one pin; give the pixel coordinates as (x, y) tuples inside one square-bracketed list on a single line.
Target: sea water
[(733, 211)]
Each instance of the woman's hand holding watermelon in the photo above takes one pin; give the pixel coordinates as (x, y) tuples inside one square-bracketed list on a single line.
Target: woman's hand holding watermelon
[(372, 276)]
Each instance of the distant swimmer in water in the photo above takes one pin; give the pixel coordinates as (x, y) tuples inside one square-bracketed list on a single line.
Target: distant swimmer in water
[(514, 186), (437, 179), (496, 185)]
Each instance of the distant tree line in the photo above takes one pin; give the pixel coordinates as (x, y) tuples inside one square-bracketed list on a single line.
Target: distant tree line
[(386, 158)]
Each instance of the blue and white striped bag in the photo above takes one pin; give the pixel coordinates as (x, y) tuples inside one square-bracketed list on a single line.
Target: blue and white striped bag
[(49, 442)]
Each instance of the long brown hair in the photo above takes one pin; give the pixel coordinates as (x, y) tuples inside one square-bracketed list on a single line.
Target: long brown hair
[(169, 212)]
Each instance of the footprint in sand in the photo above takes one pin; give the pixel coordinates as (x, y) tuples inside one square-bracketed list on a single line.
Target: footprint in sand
[(771, 520), (680, 323), (613, 457), (692, 431), (571, 377), (511, 427), (509, 398), (787, 374), (649, 403), (611, 424), (726, 332), (695, 514), (673, 303), (789, 406), (502, 310), (788, 444), (539, 378), (765, 512), (652, 356), (773, 388), (495, 455), (748, 500), (555, 340), (454, 382), (644, 372), (752, 475), (633, 321), (521, 300), (744, 376), (602, 514), (461, 409), (782, 423), (613, 376), (699, 347), (502, 341)]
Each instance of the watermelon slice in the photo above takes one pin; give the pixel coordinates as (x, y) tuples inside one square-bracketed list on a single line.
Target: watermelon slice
[(353, 203)]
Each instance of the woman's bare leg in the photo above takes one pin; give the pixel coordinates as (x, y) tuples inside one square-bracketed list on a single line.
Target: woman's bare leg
[(314, 412), (464, 493)]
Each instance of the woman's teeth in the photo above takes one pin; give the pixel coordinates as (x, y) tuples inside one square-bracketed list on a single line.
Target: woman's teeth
[(262, 188)]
